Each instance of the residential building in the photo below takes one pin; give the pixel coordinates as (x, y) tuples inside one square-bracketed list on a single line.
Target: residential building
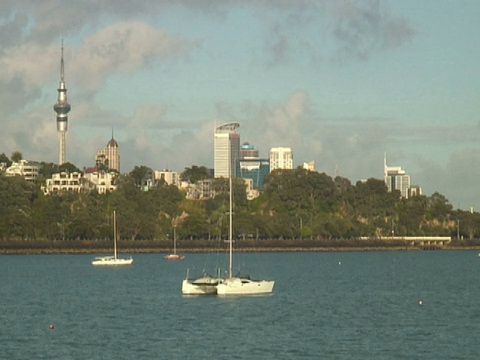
[(281, 158), (24, 168), (310, 166), (415, 190), (64, 182), (102, 181), (396, 179), (169, 176), (250, 190), (201, 190), (90, 180)]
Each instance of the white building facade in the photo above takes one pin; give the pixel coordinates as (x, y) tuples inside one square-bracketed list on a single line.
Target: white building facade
[(281, 158), (109, 156), (226, 148), (63, 182), (27, 169), (396, 179), (169, 176), (101, 182)]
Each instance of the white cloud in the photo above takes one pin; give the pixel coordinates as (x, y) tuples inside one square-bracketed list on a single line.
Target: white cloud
[(123, 48)]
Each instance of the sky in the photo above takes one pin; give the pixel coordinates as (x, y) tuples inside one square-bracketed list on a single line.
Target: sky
[(340, 82)]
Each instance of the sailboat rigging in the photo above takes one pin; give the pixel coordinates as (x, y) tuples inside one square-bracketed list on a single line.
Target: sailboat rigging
[(231, 285), (235, 285), (174, 256), (112, 260)]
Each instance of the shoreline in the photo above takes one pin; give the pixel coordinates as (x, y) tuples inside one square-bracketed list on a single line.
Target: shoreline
[(86, 251)]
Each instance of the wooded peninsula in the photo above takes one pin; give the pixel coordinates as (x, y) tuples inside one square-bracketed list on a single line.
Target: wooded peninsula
[(299, 210)]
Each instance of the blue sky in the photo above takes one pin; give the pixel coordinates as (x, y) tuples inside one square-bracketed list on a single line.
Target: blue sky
[(341, 82)]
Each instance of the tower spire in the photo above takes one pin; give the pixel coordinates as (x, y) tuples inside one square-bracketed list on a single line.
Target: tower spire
[(62, 108), (62, 67)]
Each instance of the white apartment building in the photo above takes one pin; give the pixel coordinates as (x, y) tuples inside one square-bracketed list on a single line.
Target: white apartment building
[(63, 182), (24, 168), (169, 176), (102, 181), (396, 179), (281, 158), (310, 166), (201, 190)]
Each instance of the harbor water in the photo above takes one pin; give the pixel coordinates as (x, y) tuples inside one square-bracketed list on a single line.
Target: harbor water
[(325, 305)]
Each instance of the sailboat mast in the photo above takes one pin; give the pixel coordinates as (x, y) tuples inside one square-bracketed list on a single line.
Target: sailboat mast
[(230, 231), (175, 240), (114, 234)]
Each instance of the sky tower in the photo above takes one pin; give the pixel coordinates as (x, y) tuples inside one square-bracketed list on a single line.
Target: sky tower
[(62, 107)]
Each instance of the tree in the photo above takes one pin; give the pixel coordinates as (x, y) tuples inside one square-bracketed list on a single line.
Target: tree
[(136, 212), (68, 167), (47, 169), (5, 160), (16, 156), (141, 175), (17, 196), (195, 173), (410, 215)]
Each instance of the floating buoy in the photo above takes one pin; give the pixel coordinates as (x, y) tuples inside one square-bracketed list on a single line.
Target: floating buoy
[(420, 302), (339, 263), (51, 326)]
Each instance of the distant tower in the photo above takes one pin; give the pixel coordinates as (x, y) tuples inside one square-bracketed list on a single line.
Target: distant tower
[(251, 166), (109, 156), (62, 107), (226, 147), (396, 179)]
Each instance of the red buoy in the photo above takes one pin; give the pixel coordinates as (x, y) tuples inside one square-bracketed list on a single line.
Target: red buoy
[(51, 326)]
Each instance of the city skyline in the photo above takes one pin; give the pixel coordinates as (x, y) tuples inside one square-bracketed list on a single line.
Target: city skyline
[(339, 82)]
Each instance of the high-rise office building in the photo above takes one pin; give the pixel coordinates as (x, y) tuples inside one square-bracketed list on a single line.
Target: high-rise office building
[(248, 151), (396, 179), (62, 108), (109, 156), (251, 166), (281, 158), (255, 169), (226, 148)]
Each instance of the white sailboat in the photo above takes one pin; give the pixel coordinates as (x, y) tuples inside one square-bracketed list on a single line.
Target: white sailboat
[(204, 285), (174, 256), (112, 260), (234, 285)]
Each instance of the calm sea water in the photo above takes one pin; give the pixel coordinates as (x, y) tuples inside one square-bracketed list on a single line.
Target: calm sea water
[(358, 305)]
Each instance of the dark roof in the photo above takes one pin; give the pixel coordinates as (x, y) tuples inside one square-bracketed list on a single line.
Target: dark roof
[(112, 143)]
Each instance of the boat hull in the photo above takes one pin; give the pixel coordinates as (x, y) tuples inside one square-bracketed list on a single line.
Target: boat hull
[(190, 288), (174, 257), (111, 261), (244, 286)]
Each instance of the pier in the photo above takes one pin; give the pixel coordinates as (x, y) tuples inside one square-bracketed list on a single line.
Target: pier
[(424, 242)]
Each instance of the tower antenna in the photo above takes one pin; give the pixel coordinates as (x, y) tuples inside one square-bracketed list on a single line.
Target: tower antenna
[(62, 108)]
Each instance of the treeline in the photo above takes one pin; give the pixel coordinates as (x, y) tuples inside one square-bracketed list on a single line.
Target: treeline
[(296, 205)]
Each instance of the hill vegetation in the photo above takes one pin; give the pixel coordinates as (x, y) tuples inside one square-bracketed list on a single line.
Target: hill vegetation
[(297, 207)]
